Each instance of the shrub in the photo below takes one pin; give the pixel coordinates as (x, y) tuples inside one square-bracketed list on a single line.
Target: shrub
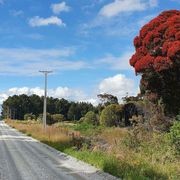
[(111, 115), (178, 117), (57, 118), (29, 117), (91, 118), (48, 118), (174, 135), (40, 118)]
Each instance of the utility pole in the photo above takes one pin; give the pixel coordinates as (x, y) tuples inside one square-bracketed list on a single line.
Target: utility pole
[(45, 98)]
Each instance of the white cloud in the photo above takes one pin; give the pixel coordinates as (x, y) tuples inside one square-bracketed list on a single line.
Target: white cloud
[(120, 6), (59, 92), (60, 7), (113, 17), (117, 62), (17, 13), (25, 61), (153, 3), (3, 97), (39, 21), (109, 23), (25, 90), (118, 85)]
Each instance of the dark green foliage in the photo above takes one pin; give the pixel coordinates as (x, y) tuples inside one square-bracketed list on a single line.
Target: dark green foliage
[(78, 110), (167, 88), (62, 107), (74, 112), (129, 110), (91, 118), (51, 108), (36, 104), (111, 115), (16, 107)]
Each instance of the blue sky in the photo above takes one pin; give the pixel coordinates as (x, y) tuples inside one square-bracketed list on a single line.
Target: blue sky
[(87, 44)]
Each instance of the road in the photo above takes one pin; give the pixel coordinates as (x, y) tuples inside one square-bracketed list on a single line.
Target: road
[(24, 158)]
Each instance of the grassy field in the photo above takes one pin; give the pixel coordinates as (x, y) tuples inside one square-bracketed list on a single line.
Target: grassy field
[(114, 150)]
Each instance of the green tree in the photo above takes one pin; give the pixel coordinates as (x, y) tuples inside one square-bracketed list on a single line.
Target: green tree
[(36, 104), (62, 107), (107, 99), (74, 112), (111, 115), (91, 118)]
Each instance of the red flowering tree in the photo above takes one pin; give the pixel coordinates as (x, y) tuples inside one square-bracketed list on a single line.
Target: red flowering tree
[(157, 58)]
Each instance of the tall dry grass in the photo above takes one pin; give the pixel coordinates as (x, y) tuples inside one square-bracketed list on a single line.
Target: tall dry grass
[(52, 134)]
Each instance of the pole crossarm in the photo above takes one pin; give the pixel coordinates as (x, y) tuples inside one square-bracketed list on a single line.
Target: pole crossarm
[(46, 72)]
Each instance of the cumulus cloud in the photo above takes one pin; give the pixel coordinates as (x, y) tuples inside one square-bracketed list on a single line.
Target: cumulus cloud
[(59, 92), (118, 85), (60, 7), (120, 6), (26, 61), (39, 21), (25, 90)]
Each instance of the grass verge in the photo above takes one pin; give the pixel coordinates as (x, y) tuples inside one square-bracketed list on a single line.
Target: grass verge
[(124, 156)]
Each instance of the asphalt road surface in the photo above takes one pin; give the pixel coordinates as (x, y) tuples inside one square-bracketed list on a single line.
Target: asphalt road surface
[(24, 158)]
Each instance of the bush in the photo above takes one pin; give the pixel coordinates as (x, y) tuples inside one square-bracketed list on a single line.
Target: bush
[(174, 135), (111, 115), (178, 117), (48, 118), (58, 117), (29, 117), (91, 118)]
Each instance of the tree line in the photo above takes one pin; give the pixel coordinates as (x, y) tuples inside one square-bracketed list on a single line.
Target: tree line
[(17, 106), (109, 112)]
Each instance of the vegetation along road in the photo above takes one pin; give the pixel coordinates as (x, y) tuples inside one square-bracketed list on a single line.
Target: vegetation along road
[(24, 158)]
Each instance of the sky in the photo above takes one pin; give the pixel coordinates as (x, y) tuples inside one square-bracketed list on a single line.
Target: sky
[(86, 43)]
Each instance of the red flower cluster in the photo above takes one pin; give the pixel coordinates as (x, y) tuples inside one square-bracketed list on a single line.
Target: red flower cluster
[(158, 44)]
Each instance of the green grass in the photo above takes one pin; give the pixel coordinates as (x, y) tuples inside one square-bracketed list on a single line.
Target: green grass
[(88, 129), (153, 158), (110, 164)]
